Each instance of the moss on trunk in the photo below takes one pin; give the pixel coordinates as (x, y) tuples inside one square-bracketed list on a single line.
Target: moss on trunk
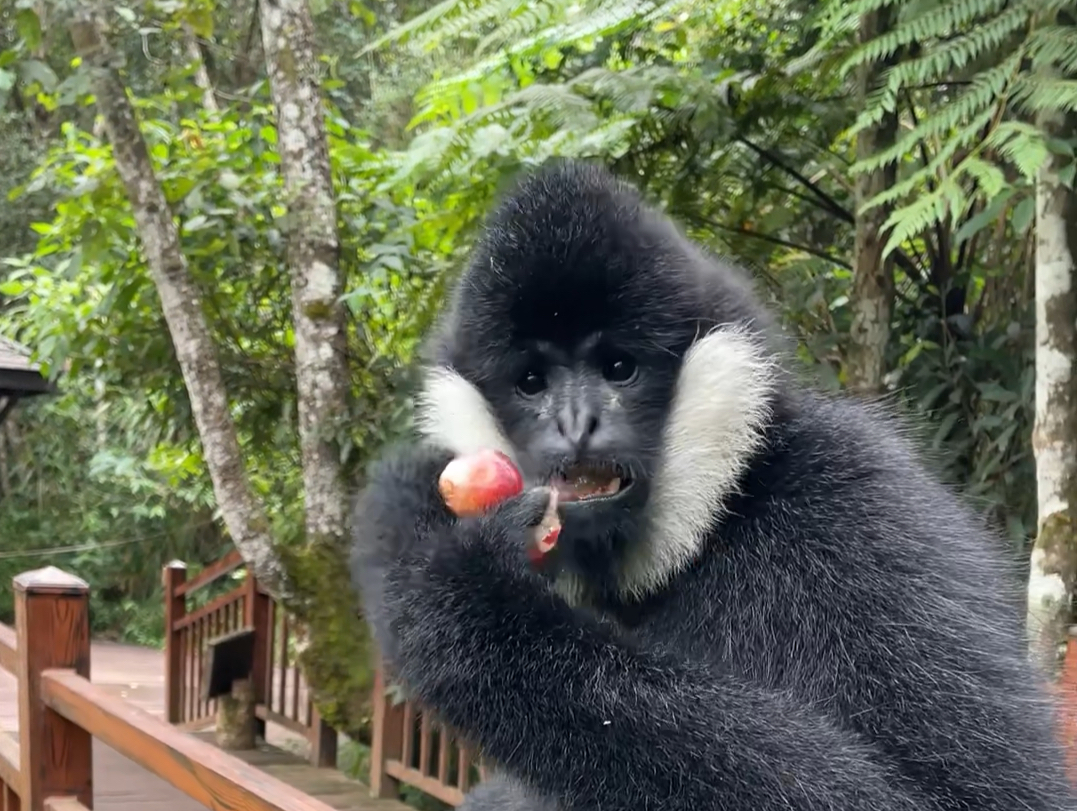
[(337, 657)]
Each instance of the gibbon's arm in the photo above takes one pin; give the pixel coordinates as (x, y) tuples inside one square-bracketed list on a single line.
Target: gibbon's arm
[(557, 698)]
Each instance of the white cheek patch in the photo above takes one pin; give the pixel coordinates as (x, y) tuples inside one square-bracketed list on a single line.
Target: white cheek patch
[(453, 414), (717, 422)]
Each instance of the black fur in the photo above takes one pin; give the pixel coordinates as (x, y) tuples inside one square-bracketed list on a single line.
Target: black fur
[(847, 637)]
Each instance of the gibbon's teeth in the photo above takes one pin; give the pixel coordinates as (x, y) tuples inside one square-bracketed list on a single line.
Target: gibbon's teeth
[(584, 488)]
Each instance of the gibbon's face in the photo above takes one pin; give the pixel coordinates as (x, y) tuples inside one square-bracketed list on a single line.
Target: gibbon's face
[(598, 348), (583, 411)]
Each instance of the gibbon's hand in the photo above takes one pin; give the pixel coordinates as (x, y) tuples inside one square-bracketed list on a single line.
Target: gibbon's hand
[(558, 695), (414, 560)]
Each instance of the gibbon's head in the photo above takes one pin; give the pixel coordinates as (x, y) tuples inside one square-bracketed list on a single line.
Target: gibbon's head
[(610, 357)]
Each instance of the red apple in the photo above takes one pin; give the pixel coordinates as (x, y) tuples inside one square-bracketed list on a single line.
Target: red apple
[(473, 484)]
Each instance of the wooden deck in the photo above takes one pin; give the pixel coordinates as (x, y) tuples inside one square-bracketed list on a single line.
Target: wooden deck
[(137, 675)]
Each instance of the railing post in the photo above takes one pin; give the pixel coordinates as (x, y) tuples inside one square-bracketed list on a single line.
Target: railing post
[(52, 620), (323, 741), (257, 616), (175, 574), (387, 743)]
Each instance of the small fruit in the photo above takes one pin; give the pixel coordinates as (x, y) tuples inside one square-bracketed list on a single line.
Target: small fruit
[(547, 531), (473, 484)]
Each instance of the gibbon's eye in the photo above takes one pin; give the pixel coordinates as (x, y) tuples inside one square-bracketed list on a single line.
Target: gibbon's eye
[(532, 382), (620, 369)]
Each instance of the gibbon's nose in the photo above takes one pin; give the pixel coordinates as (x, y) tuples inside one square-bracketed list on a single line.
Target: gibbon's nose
[(578, 425)]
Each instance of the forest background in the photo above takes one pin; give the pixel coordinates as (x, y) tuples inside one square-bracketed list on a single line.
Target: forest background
[(225, 225)]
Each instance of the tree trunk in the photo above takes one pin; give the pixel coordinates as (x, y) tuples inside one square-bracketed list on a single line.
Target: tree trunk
[(322, 378), (181, 303), (872, 294), (313, 248), (201, 75), (1053, 567), (312, 578), (235, 718)]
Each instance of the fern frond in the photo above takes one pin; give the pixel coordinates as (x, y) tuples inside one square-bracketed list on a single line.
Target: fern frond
[(491, 11), (601, 20), (988, 177), (943, 21), (941, 60), (1039, 92), (929, 209), (842, 18), (558, 103), (1053, 46), (1023, 145), (914, 182), (420, 24), (879, 102), (978, 102), (531, 18)]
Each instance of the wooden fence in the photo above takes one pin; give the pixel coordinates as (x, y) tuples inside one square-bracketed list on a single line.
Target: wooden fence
[(50, 766), (280, 690), (409, 746)]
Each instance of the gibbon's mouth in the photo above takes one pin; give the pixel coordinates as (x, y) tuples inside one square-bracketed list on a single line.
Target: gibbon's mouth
[(590, 483)]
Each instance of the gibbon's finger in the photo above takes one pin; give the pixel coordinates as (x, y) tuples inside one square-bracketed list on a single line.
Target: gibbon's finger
[(525, 510)]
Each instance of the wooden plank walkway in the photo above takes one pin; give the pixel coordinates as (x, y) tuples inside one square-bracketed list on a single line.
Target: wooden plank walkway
[(137, 675)]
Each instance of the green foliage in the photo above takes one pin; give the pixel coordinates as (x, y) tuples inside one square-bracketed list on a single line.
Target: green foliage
[(95, 498), (735, 116), (84, 300), (969, 78)]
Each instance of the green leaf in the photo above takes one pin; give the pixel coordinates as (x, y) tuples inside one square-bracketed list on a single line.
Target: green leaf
[(37, 71), (29, 28), (1023, 214), (942, 433), (1066, 174), (988, 215)]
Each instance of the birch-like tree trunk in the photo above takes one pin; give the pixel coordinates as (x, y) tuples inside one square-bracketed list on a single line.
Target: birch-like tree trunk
[(1053, 567), (336, 651), (313, 256), (181, 303), (201, 74), (872, 294)]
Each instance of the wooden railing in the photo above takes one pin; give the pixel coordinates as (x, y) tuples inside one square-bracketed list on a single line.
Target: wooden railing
[(280, 691), (412, 747), (50, 766), (409, 746)]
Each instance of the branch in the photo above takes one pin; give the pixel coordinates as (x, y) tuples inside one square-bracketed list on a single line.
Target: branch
[(181, 303), (829, 203), (773, 240)]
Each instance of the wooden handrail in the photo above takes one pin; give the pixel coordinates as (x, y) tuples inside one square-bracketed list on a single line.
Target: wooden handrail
[(226, 565), (9, 648), (213, 605), (9, 763), (198, 769)]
